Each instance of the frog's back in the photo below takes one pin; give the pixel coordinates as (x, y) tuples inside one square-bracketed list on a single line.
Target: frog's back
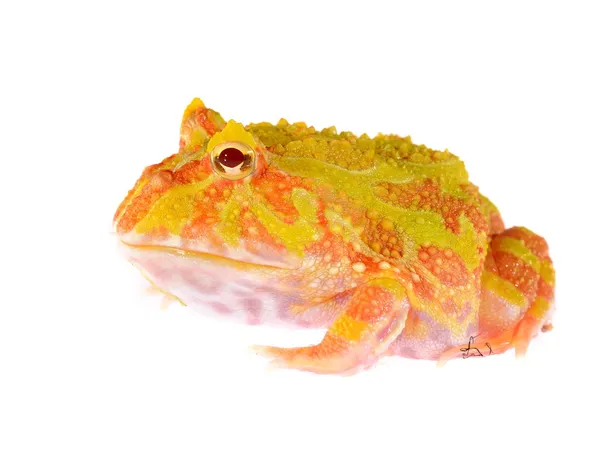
[(345, 149), (388, 186), (386, 162)]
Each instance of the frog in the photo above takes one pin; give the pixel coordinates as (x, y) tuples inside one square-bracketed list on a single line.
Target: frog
[(382, 243)]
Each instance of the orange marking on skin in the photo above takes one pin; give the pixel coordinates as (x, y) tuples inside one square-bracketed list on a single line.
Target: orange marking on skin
[(427, 196), (370, 304), (370, 266), (496, 223), (332, 245), (193, 171), (197, 126), (420, 286), (535, 243), (489, 210), (201, 226), (380, 235), (340, 202), (159, 183), (517, 272), (205, 118), (545, 290), (147, 173), (166, 164), (446, 265), (331, 345), (126, 200), (198, 230), (276, 188), (490, 263)]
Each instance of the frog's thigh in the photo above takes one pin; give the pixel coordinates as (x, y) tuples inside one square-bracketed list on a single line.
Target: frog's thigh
[(517, 288), (371, 320)]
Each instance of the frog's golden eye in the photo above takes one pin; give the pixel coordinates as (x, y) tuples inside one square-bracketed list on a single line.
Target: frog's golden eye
[(233, 160)]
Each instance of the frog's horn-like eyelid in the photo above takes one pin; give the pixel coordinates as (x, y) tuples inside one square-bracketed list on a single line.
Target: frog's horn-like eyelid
[(194, 105), (233, 132), (198, 124)]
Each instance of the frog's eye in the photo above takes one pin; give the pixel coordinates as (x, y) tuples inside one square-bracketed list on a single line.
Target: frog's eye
[(233, 160)]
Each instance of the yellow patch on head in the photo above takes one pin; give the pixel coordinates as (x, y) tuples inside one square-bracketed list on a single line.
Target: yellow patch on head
[(174, 209), (233, 132), (296, 237), (306, 203)]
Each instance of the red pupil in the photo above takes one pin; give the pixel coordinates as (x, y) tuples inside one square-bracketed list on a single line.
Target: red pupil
[(231, 157)]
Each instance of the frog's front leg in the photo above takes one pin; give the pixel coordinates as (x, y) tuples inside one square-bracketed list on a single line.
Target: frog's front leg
[(373, 317)]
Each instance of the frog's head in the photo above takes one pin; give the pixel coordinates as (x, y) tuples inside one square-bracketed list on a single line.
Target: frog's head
[(219, 196)]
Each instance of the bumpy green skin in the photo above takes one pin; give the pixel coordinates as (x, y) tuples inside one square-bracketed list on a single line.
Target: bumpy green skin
[(343, 149)]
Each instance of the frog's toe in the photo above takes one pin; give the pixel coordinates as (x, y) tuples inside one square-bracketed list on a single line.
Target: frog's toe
[(527, 329), (483, 346), (333, 355)]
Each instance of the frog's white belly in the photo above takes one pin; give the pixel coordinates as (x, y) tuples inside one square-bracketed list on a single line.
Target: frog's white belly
[(213, 286)]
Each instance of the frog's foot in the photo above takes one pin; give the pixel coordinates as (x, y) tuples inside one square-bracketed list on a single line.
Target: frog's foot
[(477, 346), (372, 319), (517, 292), (537, 318)]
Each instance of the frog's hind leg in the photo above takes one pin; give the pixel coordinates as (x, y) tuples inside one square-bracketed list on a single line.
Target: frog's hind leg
[(517, 299), (373, 317), (517, 287)]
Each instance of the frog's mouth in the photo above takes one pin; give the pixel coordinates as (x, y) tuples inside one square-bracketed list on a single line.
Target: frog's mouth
[(214, 283), (240, 264)]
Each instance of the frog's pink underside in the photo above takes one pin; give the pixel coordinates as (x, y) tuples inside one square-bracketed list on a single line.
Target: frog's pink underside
[(208, 286), (252, 298)]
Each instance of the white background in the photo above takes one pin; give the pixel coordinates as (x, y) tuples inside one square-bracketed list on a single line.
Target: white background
[(92, 93)]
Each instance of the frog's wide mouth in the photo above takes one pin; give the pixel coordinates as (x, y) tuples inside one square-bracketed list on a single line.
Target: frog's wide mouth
[(214, 259)]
